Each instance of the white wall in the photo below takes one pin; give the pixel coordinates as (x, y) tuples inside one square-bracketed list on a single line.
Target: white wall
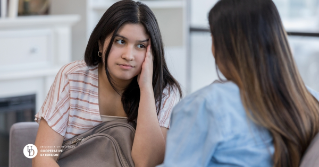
[(203, 69), (199, 11), (79, 40)]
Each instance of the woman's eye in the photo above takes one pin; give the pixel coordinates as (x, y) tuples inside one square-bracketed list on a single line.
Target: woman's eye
[(120, 41), (141, 46)]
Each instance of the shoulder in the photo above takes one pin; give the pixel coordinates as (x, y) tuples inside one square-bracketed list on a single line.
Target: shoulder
[(215, 94), (171, 92), (170, 97), (76, 66), (78, 70), (218, 103), (74, 72)]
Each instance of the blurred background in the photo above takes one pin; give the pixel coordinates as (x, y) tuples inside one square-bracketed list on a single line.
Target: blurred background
[(37, 37), (300, 19)]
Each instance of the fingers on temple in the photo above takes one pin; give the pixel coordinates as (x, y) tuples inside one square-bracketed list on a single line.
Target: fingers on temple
[(149, 51)]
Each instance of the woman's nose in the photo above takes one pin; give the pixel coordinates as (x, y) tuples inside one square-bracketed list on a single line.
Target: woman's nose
[(128, 53)]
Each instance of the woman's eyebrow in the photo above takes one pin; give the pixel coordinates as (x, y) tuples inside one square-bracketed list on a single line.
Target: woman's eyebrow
[(117, 35), (144, 40)]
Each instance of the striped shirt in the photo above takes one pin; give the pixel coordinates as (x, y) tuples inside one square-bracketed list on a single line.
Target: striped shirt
[(71, 106)]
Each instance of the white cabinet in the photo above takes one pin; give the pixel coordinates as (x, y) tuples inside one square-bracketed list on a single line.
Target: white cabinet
[(32, 50), (25, 48)]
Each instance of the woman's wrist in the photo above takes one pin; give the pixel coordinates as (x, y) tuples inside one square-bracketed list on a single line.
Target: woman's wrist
[(146, 89)]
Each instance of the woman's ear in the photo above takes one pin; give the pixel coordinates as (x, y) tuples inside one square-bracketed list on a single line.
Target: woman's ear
[(100, 46), (101, 50), (213, 47)]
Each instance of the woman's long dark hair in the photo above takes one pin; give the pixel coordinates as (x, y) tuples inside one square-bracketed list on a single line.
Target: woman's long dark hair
[(251, 47), (120, 13)]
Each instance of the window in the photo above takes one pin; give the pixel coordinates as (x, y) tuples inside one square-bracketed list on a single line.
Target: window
[(300, 19)]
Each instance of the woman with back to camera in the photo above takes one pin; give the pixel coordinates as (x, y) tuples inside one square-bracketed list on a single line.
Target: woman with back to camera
[(123, 76), (263, 114)]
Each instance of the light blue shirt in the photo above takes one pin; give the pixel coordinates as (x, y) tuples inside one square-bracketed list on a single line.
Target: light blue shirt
[(210, 128)]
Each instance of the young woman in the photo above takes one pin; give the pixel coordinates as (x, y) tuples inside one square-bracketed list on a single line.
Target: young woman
[(123, 76), (263, 115)]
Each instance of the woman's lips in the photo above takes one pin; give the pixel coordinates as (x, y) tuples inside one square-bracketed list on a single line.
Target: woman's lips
[(125, 66)]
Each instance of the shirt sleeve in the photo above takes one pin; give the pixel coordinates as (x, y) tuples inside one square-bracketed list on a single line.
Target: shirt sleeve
[(171, 97), (194, 134), (55, 109)]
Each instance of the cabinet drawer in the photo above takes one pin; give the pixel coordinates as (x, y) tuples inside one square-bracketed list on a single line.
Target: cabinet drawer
[(21, 48)]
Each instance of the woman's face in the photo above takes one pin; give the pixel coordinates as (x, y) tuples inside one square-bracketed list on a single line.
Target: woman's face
[(128, 51)]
